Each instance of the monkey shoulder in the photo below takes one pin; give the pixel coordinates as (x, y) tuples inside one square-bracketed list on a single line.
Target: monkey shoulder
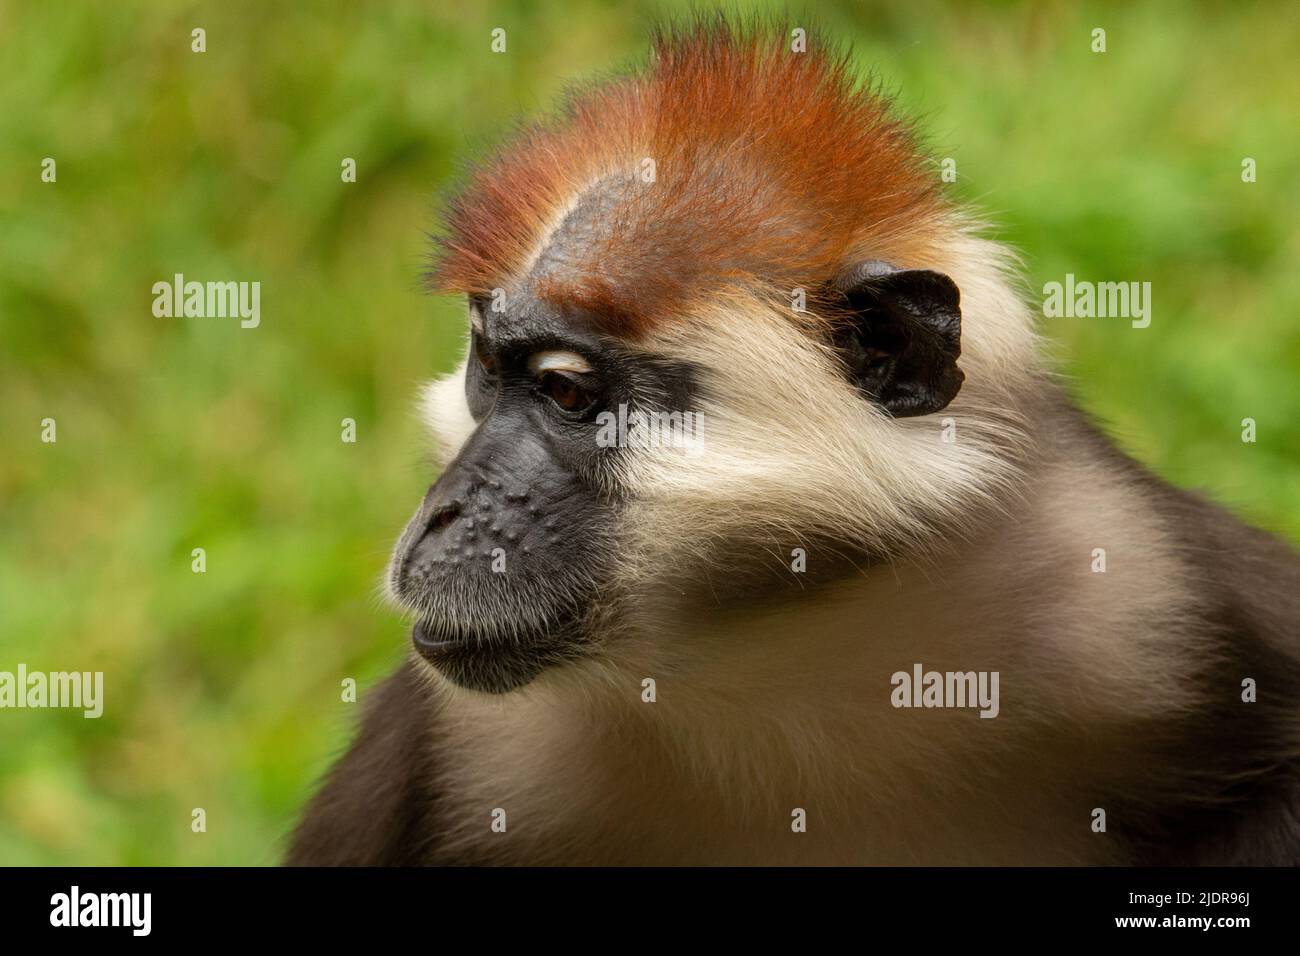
[(1243, 734), (376, 806)]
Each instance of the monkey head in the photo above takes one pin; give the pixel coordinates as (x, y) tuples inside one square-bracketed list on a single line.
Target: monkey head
[(738, 242)]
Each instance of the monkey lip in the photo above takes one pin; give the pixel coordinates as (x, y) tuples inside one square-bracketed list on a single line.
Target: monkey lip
[(433, 635), (493, 666), (431, 638), (437, 640)]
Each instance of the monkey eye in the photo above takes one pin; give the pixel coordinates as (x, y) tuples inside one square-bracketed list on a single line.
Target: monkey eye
[(568, 394)]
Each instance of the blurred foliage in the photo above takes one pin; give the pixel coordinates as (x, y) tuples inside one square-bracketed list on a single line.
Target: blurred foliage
[(223, 689)]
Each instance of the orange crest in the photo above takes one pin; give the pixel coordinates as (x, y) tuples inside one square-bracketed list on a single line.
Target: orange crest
[(730, 159)]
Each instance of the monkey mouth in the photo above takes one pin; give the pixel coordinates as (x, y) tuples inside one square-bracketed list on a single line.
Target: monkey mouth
[(494, 665), (432, 636), (429, 637)]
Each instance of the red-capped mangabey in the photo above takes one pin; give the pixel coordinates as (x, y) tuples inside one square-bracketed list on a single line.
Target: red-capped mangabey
[(718, 646)]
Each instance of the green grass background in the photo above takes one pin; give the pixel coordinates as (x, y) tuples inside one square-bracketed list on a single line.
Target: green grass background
[(223, 689)]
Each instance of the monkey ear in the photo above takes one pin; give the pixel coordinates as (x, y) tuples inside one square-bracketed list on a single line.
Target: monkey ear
[(903, 337)]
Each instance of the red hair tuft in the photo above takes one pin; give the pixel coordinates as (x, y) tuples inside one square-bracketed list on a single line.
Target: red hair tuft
[(770, 166)]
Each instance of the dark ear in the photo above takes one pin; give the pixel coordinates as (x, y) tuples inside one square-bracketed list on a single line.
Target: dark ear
[(903, 337)]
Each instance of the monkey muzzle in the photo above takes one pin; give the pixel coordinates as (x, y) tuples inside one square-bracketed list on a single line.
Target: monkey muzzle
[(494, 667), (501, 561)]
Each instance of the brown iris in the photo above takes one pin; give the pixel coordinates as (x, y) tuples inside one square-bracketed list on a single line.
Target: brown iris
[(564, 391)]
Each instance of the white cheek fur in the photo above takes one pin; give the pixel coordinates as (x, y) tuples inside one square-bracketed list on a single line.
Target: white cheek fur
[(446, 413)]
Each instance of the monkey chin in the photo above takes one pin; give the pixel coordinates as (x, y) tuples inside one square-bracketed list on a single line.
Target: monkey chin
[(492, 666)]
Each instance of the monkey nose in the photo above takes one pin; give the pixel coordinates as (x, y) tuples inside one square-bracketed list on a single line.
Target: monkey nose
[(441, 517)]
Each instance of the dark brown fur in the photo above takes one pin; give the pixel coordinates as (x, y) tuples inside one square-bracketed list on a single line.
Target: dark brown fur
[(375, 806), (1228, 792)]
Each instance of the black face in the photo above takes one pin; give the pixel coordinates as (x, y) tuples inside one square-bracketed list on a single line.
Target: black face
[(513, 546)]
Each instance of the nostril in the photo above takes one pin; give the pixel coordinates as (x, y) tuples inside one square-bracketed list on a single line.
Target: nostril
[(443, 517)]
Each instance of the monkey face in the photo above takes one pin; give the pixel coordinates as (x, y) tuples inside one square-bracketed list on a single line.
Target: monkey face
[(513, 547), (540, 521)]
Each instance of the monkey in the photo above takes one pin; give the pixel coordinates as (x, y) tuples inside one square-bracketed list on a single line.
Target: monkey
[(700, 652)]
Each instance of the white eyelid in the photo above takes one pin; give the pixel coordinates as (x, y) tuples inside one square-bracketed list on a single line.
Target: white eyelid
[(475, 320), (557, 361)]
